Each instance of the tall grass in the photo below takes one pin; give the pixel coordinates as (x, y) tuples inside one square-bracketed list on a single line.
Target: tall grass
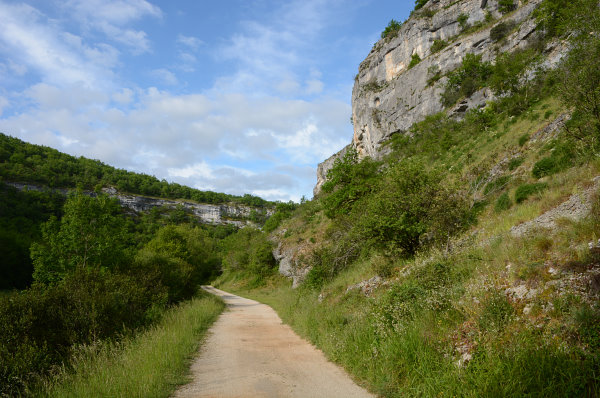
[(151, 364)]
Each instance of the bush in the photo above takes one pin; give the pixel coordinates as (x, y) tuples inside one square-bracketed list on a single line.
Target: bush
[(514, 163), (501, 30), (506, 6), (462, 21), (438, 45), (283, 211), (391, 30), (523, 139), (503, 203), (414, 60), (420, 3), (466, 79), (348, 181), (411, 209), (40, 326), (178, 258), (248, 251), (560, 159), (526, 190)]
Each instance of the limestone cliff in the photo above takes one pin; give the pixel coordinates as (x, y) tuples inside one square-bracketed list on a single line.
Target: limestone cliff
[(389, 95), (235, 214)]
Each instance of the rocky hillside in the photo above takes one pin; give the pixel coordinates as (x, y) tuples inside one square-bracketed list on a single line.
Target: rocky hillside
[(402, 79), (231, 213)]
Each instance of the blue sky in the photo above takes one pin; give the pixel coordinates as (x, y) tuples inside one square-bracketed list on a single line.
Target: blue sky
[(230, 96)]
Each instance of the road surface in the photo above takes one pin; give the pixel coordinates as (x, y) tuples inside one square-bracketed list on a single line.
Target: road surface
[(249, 352)]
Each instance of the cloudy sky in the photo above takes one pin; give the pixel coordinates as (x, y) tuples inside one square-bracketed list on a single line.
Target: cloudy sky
[(232, 96)]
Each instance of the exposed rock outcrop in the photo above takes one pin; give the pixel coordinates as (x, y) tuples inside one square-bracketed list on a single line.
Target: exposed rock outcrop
[(325, 166), (206, 213), (389, 95), (576, 208)]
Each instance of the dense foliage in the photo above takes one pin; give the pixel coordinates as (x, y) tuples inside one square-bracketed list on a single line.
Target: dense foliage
[(24, 162), (100, 273), (21, 215)]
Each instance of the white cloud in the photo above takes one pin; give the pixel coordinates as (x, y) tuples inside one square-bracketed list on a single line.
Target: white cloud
[(3, 104), (124, 97), (165, 75), (186, 137), (314, 87), (58, 57), (111, 16), (202, 170), (190, 41)]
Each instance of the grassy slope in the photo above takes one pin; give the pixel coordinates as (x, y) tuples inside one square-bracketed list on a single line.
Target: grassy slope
[(445, 324), (151, 364)]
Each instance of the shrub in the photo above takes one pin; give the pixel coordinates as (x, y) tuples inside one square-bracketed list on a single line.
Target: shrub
[(523, 139), (438, 45), (248, 251), (503, 203), (514, 163), (500, 31), (560, 159), (433, 74), (462, 21), (466, 79), (178, 258), (411, 209), (420, 3), (526, 190), (40, 326), (391, 30), (414, 60), (506, 6), (282, 211), (348, 181)]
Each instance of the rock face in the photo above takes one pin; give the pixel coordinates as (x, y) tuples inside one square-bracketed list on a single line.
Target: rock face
[(389, 95), (325, 166), (206, 213)]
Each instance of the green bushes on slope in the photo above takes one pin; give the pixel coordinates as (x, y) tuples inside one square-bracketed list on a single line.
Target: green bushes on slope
[(98, 275)]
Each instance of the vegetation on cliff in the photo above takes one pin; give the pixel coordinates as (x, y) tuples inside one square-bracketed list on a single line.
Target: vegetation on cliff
[(418, 277)]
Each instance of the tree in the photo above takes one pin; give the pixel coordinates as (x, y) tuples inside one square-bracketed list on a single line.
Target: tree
[(413, 207), (91, 234), (347, 181)]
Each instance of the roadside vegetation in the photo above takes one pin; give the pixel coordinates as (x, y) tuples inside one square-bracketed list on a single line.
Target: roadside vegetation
[(151, 364), (412, 278)]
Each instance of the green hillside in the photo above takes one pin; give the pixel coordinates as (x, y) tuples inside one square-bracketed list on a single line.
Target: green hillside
[(466, 262)]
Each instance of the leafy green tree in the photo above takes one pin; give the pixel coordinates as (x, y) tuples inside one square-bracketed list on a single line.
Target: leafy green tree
[(391, 30), (91, 234), (179, 258), (413, 207), (347, 181), (420, 3)]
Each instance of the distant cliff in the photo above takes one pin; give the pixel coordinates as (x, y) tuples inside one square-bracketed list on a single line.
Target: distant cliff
[(401, 80), (236, 214)]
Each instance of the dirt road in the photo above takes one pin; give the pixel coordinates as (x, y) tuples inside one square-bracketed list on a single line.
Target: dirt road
[(250, 353)]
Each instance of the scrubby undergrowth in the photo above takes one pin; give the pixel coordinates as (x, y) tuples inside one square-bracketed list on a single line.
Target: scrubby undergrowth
[(416, 284)]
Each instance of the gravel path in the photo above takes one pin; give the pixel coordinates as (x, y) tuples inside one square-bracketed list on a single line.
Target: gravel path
[(249, 352)]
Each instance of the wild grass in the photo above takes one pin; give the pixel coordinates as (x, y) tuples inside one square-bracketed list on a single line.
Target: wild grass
[(151, 364)]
